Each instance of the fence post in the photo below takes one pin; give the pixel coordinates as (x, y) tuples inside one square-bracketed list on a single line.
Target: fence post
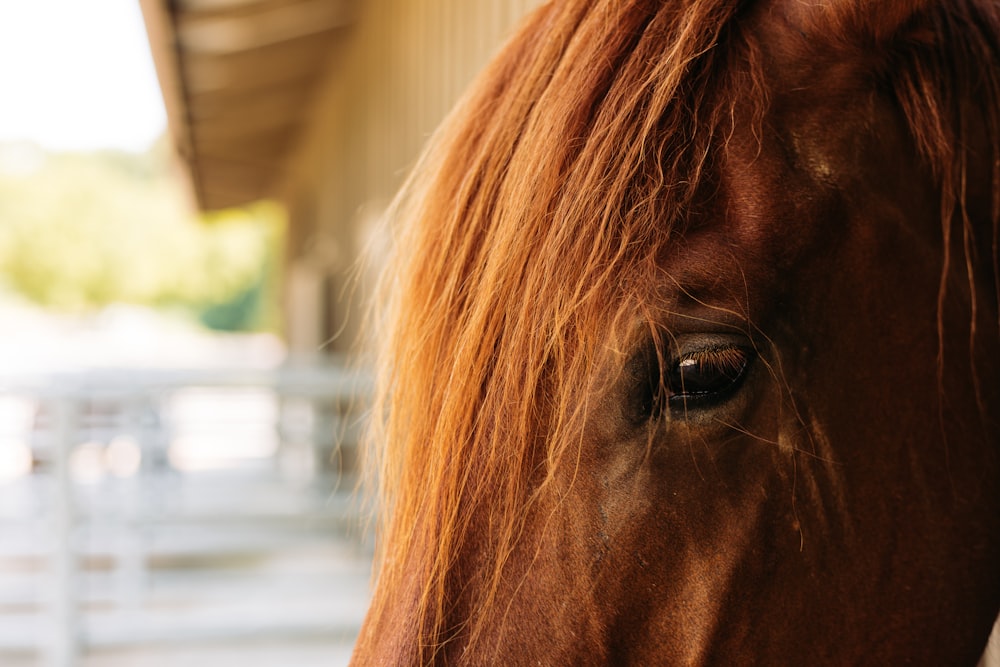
[(130, 552), (61, 650)]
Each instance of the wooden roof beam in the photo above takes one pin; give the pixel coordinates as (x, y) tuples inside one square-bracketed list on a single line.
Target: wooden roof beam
[(271, 24), (265, 66), (219, 5), (279, 98), (243, 133)]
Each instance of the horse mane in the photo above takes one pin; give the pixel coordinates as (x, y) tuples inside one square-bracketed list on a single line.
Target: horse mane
[(527, 238)]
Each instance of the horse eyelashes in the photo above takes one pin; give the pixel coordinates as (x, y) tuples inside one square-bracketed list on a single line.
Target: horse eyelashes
[(706, 377), (699, 379)]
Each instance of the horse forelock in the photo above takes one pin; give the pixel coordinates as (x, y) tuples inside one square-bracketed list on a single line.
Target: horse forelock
[(528, 237), (938, 77)]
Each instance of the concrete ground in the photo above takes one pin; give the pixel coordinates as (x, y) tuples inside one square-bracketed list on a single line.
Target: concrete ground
[(300, 608), (317, 652)]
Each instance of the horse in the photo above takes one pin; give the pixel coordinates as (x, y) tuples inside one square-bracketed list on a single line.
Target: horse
[(691, 348)]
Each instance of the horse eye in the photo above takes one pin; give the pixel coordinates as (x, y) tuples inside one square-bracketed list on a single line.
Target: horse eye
[(694, 380), (706, 377)]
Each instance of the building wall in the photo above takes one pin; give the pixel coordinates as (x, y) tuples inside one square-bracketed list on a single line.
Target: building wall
[(388, 87)]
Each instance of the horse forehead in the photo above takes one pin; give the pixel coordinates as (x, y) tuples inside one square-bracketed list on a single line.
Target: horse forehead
[(778, 203), (785, 198)]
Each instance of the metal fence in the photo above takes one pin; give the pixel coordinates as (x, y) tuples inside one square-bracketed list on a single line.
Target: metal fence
[(140, 507)]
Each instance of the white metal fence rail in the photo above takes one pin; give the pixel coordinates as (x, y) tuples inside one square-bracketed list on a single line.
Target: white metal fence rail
[(110, 479)]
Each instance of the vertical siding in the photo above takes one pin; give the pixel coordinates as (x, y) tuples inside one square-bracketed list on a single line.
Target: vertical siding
[(404, 67)]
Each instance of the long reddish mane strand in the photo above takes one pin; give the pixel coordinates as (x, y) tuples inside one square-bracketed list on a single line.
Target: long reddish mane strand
[(528, 236)]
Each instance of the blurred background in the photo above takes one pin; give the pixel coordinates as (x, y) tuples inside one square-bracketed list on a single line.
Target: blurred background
[(192, 196)]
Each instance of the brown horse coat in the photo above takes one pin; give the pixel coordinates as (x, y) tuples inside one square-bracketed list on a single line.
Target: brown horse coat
[(693, 351)]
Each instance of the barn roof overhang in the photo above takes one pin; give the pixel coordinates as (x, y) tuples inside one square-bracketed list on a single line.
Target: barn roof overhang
[(238, 78)]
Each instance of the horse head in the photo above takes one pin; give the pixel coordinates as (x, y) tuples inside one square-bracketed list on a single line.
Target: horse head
[(693, 353)]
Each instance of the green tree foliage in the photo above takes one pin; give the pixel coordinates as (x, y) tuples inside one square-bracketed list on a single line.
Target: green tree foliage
[(78, 232)]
